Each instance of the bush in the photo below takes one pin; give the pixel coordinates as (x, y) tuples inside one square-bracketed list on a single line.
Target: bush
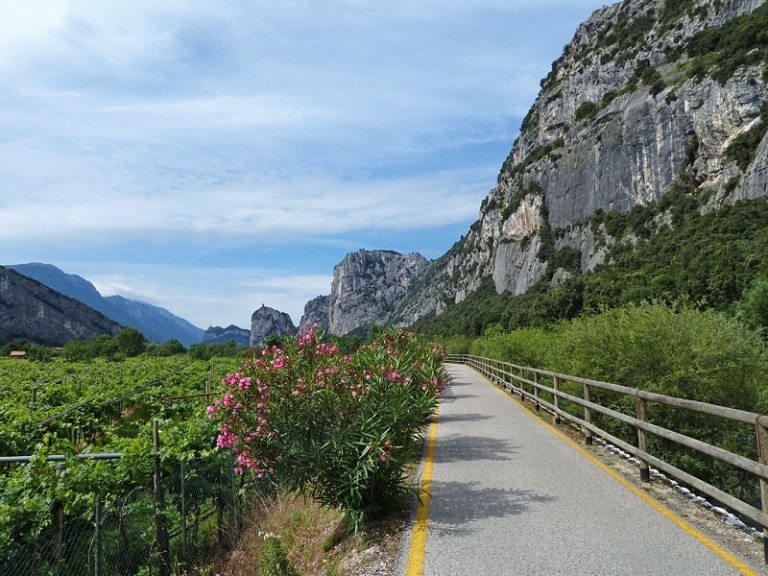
[(743, 148), (586, 110), (338, 428), (702, 355)]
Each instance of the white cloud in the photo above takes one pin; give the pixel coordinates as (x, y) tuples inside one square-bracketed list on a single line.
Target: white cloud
[(208, 296)]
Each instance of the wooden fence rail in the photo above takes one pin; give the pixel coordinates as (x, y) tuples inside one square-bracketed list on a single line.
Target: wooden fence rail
[(527, 383)]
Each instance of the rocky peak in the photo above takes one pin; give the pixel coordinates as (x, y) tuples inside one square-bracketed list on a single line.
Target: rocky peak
[(267, 321), (316, 312), (367, 287)]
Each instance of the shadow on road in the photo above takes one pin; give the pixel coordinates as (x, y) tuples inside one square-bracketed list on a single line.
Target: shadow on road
[(460, 447), (472, 417), (457, 504), (449, 397)]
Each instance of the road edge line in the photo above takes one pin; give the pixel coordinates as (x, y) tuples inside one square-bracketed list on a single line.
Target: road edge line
[(652, 502), (415, 564)]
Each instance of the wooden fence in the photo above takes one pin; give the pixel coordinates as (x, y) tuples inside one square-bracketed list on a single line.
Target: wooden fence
[(529, 382)]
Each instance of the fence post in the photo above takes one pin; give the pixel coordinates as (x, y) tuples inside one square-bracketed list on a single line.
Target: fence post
[(556, 387), (58, 521), (762, 456), (96, 538), (522, 385), (642, 439), (208, 385), (587, 416), (161, 532), (183, 473), (536, 391), (34, 395)]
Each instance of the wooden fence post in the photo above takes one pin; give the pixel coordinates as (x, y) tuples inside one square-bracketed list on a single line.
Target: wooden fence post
[(536, 391), (556, 387), (161, 531), (642, 439), (587, 416), (762, 456)]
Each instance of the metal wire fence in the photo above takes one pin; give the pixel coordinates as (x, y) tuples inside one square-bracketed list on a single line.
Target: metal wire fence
[(173, 521)]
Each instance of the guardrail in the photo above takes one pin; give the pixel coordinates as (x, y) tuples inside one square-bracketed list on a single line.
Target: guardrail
[(525, 381)]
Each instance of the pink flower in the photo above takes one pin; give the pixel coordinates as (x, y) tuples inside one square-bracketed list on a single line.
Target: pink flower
[(226, 438), (211, 411), (278, 362), (228, 400)]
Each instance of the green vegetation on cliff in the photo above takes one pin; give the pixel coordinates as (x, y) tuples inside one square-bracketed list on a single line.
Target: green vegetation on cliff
[(667, 250)]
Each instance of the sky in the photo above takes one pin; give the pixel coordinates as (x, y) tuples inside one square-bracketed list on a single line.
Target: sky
[(211, 157)]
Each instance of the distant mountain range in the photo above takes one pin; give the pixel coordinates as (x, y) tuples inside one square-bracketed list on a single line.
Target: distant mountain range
[(155, 323), (219, 335)]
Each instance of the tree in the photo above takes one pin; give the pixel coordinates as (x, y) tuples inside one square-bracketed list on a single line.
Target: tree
[(130, 342)]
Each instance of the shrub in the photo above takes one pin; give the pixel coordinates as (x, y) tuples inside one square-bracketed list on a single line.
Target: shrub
[(274, 558), (338, 428), (743, 148), (586, 110)]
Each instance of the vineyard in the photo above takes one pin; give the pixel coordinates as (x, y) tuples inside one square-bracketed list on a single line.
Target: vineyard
[(116, 499)]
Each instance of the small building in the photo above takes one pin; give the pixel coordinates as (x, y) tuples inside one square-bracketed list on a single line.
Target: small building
[(18, 354)]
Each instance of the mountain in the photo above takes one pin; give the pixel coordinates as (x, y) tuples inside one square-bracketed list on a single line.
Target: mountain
[(367, 286), (219, 335), (267, 322), (31, 310), (155, 323), (654, 115)]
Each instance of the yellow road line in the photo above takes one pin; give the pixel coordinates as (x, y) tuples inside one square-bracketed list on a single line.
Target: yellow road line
[(653, 503), (415, 566)]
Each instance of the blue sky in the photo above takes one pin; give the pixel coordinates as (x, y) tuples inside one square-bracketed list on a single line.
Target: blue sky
[(209, 157)]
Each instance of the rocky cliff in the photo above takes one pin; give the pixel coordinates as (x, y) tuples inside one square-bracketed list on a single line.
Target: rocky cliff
[(33, 311), (219, 335), (366, 289), (316, 312), (266, 322), (651, 97)]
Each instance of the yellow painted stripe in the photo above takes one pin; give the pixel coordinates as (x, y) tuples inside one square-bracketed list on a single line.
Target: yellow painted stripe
[(415, 566), (653, 503)]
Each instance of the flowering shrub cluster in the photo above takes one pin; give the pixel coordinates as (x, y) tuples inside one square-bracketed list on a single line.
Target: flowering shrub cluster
[(337, 427)]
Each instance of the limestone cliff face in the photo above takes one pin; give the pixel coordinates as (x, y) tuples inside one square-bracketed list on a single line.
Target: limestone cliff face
[(367, 287), (642, 99), (316, 312), (266, 322), (33, 311)]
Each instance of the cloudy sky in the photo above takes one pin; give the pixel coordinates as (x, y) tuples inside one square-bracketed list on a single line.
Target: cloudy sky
[(209, 157)]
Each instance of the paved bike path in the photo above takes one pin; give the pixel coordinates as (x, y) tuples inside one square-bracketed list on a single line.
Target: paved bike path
[(510, 497)]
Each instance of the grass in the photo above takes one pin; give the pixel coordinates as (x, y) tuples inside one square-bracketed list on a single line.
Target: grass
[(317, 539)]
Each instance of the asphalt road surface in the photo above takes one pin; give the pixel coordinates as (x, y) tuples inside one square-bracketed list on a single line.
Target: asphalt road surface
[(511, 498)]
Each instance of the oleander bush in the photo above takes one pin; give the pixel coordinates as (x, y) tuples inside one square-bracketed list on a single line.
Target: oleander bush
[(340, 428)]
